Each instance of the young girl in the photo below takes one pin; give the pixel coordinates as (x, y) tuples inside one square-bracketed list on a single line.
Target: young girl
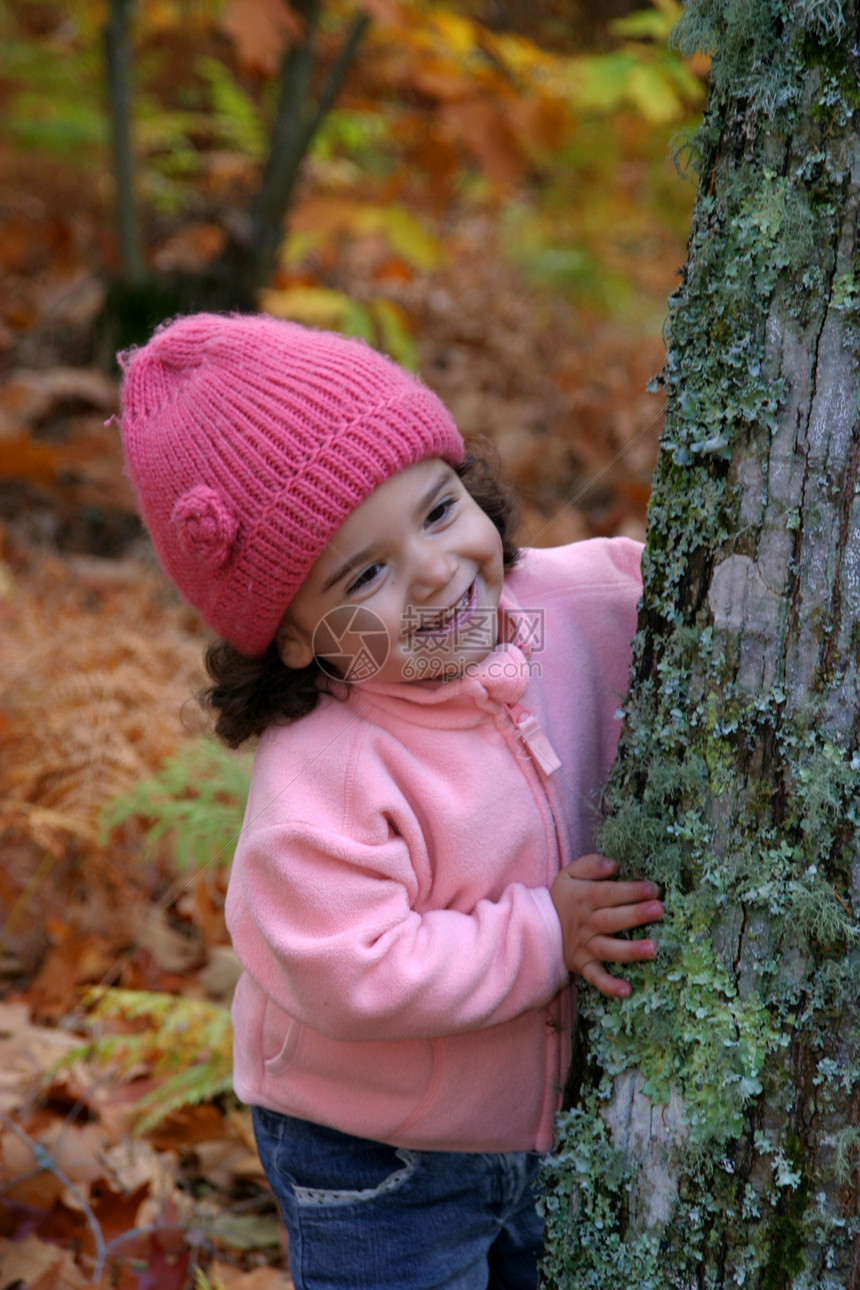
[(413, 885)]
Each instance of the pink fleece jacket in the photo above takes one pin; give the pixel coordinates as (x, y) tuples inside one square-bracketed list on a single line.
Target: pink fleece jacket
[(403, 969)]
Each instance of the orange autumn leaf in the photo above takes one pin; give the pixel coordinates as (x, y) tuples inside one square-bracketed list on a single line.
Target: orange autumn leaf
[(540, 123), (484, 130), (21, 458), (386, 11), (441, 80), (262, 31), (39, 1265)]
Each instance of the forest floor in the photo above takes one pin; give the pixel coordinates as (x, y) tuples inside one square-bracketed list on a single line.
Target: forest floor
[(98, 663)]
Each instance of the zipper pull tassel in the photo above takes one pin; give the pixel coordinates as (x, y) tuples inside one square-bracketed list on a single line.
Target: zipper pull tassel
[(529, 730)]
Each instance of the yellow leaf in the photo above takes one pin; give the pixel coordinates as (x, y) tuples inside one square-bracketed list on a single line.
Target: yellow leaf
[(314, 306), (319, 218), (653, 96), (394, 333), (412, 242), (320, 307), (520, 55), (381, 323), (457, 33)]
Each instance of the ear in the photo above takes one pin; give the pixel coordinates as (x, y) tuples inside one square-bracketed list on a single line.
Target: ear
[(294, 647)]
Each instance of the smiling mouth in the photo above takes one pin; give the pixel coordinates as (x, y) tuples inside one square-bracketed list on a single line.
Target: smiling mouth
[(448, 618)]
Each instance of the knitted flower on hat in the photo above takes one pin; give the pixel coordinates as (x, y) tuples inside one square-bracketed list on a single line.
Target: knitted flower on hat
[(249, 441)]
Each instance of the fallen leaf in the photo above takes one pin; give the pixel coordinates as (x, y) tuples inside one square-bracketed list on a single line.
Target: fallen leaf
[(221, 974), (134, 1164), (38, 1266), (172, 949), (77, 959), (163, 1272), (186, 1128), (32, 397), (76, 1150), (245, 1231), (115, 1211), (223, 1161), (26, 1052), (24, 1183), (20, 458), (227, 1276)]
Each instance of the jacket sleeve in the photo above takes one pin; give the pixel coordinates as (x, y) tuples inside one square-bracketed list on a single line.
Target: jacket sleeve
[(324, 919)]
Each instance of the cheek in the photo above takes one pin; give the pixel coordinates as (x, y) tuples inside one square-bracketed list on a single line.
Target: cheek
[(495, 561)]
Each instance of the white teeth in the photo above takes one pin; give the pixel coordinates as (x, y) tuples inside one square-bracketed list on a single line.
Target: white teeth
[(448, 615)]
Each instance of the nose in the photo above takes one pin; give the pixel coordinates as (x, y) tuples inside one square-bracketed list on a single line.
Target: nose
[(432, 568)]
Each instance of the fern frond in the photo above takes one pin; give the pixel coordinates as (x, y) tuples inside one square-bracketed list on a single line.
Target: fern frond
[(180, 1028), (237, 117), (189, 1041), (189, 1087), (197, 799), (124, 1054)]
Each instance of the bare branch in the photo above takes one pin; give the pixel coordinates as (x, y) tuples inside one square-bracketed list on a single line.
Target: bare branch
[(118, 77), (296, 123)]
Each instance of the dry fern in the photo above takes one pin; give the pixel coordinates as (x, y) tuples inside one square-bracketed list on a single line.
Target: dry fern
[(97, 659)]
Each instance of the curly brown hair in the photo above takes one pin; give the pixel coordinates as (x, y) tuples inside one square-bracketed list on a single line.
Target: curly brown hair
[(249, 694)]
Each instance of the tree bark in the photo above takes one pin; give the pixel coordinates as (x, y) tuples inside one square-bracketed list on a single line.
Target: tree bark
[(713, 1134)]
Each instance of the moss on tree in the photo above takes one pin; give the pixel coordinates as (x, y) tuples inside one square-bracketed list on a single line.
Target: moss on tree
[(703, 1145)]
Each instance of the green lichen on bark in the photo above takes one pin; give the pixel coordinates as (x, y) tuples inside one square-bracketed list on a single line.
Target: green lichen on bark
[(712, 1138)]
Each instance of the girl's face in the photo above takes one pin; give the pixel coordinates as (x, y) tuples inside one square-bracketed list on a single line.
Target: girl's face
[(406, 590)]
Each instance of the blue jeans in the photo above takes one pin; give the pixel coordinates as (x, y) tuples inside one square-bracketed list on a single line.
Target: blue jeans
[(362, 1215)]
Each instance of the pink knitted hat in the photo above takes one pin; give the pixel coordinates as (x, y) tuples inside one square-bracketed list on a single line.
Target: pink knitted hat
[(249, 441)]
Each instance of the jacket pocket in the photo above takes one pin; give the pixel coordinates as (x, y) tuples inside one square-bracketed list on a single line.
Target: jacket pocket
[(283, 1053)]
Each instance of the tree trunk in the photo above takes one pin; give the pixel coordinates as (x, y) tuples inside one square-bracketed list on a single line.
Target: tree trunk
[(713, 1134), (137, 300), (117, 63), (250, 259)]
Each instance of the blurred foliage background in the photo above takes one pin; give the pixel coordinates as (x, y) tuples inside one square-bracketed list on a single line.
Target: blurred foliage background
[(557, 115), (486, 189)]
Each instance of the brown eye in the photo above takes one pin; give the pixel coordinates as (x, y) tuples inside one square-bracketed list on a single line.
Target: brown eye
[(364, 578), (439, 511)]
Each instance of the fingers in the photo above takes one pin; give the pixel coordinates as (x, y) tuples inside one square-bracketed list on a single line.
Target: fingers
[(618, 952), (594, 870), (594, 914), (613, 986), (606, 895), (609, 920), (608, 950), (591, 867)]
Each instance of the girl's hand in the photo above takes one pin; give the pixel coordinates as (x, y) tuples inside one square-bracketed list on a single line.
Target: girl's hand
[(593, 911)]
